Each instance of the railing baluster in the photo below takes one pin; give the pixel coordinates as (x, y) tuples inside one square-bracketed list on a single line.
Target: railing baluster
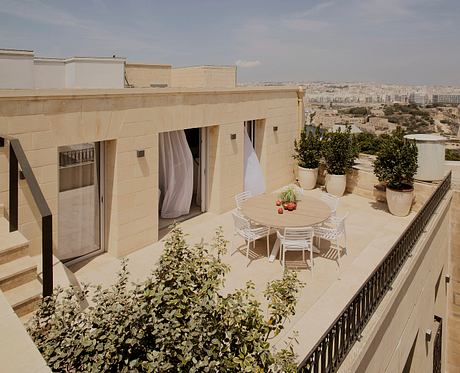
[(13, 194)]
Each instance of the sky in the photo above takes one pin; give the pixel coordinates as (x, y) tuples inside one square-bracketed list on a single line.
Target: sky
[(387, 41)]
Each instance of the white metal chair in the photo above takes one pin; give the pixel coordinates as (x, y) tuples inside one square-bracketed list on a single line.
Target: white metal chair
[(241, 197), (333, 233), (296, 239), (249, 232), (331, 201)]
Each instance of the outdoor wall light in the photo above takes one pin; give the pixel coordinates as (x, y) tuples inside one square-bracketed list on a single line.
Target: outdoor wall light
[(21, 175), (275, 128), (141, 153), (447, 279), (428, 335), (233, 136)]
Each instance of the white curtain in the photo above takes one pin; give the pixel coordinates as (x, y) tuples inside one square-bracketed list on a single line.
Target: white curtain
[(254, 180), (175, 174)]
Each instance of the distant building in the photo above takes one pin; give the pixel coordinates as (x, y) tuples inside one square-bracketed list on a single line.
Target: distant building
[(418, 98), (446, 99)]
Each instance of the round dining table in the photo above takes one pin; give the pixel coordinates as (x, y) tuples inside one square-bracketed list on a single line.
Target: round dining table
[(262, 210)]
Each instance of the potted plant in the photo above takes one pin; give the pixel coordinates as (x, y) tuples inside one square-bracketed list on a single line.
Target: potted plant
[(339, 151), (308, 155), (396, 165), (289, 196)]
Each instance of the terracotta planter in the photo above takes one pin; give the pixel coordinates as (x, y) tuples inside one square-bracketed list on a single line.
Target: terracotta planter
[(308, 177), (336, 184), (399, 202)]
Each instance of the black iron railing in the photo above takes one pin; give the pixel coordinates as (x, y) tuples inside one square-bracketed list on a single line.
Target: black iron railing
[(437, 347), (332, 348), (18, 158)]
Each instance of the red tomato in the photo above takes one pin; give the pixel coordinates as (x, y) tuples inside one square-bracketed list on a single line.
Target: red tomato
[(280, 210)]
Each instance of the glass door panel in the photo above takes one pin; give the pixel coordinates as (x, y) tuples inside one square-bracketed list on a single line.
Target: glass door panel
[(80, 186)]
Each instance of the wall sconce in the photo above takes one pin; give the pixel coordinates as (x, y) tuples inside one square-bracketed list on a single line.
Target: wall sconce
[(233, 136), (275, 128), (140, 153), (428, 335), (447, 279)]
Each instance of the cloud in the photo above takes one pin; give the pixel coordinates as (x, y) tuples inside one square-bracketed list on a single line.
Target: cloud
[(304, 24), (247, 63)]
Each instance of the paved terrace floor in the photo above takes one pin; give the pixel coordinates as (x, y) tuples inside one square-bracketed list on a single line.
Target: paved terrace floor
[(371, 231)]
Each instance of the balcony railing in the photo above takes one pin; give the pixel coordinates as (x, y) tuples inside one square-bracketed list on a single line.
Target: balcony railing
[(18, 158), (332, 348)]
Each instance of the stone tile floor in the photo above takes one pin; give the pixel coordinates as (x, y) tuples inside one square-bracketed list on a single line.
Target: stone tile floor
[(371, 231)]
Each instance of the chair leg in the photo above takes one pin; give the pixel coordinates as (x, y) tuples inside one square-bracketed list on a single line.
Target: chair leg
[(311, 257), (338, 250), (247, 249), (303, 255), (268, 243)]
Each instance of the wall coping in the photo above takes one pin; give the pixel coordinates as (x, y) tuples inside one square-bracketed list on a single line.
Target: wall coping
[(44, 94)]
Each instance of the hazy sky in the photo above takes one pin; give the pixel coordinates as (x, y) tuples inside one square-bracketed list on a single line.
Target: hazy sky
[(393, 41)]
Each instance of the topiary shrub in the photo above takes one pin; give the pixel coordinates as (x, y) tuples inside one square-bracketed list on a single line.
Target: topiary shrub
[(178, 320), (396, 162), (308, 149), (339, 151)]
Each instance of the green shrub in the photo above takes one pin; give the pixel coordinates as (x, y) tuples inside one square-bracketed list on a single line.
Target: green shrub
[(178, 320), (368, 143), (339, 151), (396, 162), (308, 149), (452, 155)]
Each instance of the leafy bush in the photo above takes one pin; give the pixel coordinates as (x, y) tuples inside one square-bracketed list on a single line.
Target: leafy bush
[(452, 155), (176, 321), (368, 143), (308, 149), (339, 151), (396, 162)]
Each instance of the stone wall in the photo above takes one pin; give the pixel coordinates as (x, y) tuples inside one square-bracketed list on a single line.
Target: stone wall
[(132, 119), (144, 75), (204, 77)]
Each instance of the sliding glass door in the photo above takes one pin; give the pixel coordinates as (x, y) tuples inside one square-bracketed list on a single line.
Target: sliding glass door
[(80, 201)]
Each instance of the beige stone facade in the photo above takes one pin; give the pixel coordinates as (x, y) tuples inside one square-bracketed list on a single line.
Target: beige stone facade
[(146, 75), (131, 120), (204, 77)]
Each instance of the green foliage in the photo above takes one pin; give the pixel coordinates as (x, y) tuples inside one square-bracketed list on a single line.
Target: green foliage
[(308, 149), (368, 143), (290, 193), (411, 117), (176, 321), (452, 155), (339, 151), (396, 162), (359, 111)]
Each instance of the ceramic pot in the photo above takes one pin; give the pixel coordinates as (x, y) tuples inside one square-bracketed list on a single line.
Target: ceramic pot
[(336, 184), (308, 177), (399, 201)]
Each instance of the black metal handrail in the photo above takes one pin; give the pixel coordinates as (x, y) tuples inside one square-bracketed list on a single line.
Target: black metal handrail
[(332, 348), (19, 158)]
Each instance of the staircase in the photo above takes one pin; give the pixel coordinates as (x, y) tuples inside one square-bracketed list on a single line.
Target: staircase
[(18, 271)]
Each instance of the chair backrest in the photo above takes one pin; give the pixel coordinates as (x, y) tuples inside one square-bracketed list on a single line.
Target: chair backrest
[(240, 222), (241, 197), (331, 201), (339, 222), (297, 234)]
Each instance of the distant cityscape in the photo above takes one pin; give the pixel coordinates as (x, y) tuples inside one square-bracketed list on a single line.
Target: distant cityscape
[(373, 93)]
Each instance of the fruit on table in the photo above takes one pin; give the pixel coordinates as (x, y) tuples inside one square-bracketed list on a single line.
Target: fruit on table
[(290, 206), (285, 205), (278, 203), (280, 210)]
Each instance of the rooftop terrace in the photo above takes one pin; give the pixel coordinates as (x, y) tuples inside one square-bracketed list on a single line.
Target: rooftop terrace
[(371, 231)]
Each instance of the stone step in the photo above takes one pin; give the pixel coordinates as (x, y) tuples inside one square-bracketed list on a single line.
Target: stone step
[(24, 299), (17, 272), (12, 246)]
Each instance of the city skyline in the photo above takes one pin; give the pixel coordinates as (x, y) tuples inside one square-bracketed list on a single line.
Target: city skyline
[(388, 41)]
